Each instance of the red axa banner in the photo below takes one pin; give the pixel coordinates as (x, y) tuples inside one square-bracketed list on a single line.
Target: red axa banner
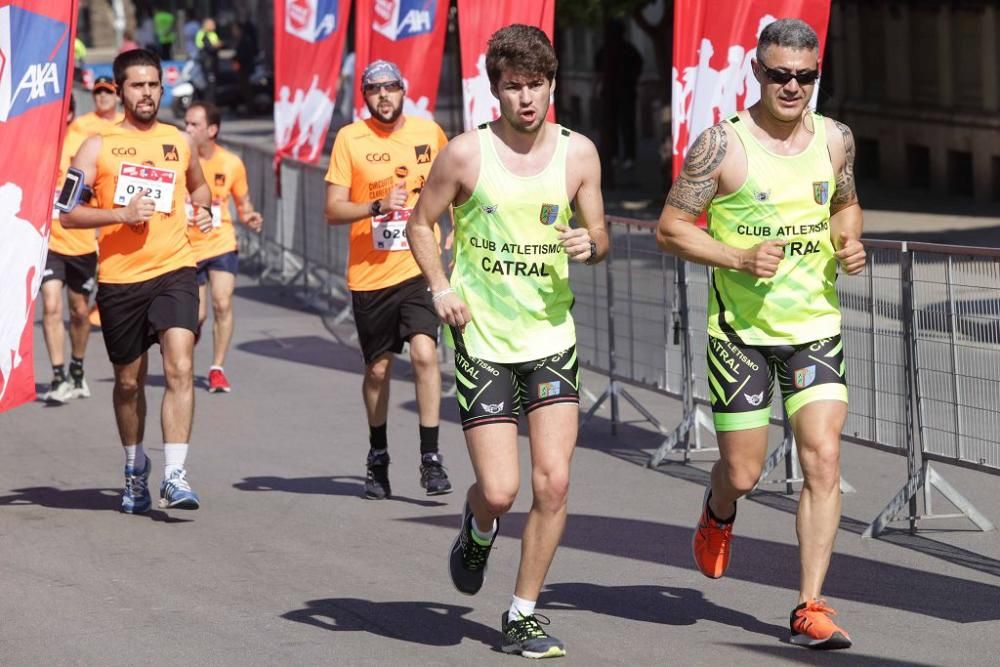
[(713, 46), (477, 21), (36, 51), (409, 33), (308, 49)]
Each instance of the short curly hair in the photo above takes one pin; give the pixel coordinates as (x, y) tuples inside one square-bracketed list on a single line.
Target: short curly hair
[(521, 48)]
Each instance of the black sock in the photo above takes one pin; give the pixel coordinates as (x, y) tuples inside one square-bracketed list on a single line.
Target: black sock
[(428, 439), (377, 437), (76, 368), (715, 518), (59, 372)]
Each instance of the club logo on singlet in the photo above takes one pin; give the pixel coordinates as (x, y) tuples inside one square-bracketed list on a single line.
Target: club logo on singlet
[(754, 399), (489, 209), (548, 214), (805, 376), (821, 192)]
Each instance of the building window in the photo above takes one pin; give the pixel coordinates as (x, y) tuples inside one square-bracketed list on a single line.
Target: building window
[(866, 167), (925, 70), (967, 57), (872, 40), (918, 166), (960, 173)]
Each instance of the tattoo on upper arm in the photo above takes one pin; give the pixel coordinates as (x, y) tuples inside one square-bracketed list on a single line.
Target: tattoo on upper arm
[(846, 193), (696, 186)]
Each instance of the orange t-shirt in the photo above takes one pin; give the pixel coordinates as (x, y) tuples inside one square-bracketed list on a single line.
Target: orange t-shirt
[(370, 162), (90, 123), (73, 242), (226, 176), (135, 253)]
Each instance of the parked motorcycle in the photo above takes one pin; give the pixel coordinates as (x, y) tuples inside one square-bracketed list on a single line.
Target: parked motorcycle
[(192, 85)]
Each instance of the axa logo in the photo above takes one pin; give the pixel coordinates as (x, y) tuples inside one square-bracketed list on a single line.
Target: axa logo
[(311, 20), (33, 53), (399, 19)]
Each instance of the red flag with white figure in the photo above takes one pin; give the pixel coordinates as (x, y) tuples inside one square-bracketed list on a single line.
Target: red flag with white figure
[(36, 67), (713, 46), (477, 21)]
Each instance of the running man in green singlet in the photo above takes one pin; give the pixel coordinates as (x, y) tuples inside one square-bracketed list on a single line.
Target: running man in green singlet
[(777, 181), (508, 305)]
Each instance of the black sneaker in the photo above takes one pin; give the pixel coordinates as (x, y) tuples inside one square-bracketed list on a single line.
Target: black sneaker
[(433, 476), (526, 636), (377, 483), (467, 560)]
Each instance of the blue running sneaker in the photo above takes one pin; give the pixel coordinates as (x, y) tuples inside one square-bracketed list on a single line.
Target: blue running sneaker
[(135, 497), (176, 492)]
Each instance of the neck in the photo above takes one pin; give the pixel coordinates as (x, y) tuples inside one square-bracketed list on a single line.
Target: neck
[(517, 141), (389, 128), (106, 115), (132, 123), (206, 150), (780, 130)]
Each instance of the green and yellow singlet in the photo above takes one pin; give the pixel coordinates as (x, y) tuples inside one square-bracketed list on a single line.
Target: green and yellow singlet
[(510, 268), (787, 198)]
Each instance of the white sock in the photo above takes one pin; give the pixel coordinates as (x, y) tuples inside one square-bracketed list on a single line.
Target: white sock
[(215, 368), (520, 608), (484, 536), (175, 453), (135, 456)]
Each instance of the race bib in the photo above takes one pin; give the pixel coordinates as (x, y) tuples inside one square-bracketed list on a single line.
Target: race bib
[(157, 184), (389, 230)]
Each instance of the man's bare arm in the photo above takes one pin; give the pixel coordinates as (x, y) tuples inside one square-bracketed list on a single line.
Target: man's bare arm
[(589, 201), (441, 189), (690, 195), (89, 217), (846, 218)]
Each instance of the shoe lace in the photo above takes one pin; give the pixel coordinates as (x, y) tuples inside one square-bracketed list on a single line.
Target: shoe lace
[(432, 469), (135, 484), (819, 606), (718, 536), (474, 554), (178, 481), (528, 627)]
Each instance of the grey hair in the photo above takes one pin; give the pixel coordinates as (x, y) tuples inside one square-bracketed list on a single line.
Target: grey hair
[(790, 33)]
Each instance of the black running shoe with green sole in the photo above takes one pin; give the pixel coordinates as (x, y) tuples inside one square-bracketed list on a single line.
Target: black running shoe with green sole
[(526, 637), (467, 559)]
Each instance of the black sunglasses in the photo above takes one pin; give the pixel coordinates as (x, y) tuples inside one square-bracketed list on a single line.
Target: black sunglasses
[(390, 87), (781, 77)]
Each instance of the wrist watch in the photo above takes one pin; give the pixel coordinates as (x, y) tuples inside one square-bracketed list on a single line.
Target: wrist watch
[(593, 253), (375, 208)]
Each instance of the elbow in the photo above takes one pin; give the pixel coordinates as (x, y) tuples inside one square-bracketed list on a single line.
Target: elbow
[(665, 240), (66, 221)]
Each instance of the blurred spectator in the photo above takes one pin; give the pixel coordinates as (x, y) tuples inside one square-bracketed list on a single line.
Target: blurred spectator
[(164, 23), (128, 42), (145, 34), (618, 65), (246, 56), (208, 44), (190, 30)]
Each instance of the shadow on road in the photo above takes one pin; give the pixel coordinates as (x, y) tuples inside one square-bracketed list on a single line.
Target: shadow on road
[(653, 604), (350, 486), (428, 623), (771, 564), (78, 499)]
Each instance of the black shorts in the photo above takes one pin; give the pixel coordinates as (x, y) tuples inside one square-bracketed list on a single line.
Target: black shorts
[(741, 379), (229, 262), (75, 271), (387, 318), (133, 314), (491, 393)]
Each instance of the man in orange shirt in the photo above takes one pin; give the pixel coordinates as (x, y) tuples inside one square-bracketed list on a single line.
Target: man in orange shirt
[(141, 171), (215, 252), (71, 261), (377, 170), (105, 108)]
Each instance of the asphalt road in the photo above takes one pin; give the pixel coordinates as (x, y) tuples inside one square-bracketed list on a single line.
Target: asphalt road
[(286, 564)]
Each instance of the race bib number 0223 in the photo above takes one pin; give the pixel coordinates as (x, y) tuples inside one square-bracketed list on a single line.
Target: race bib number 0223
[(389, 230), (157, 184)]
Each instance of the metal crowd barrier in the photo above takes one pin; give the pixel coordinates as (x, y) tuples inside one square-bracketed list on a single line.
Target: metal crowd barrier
[(921, 330)]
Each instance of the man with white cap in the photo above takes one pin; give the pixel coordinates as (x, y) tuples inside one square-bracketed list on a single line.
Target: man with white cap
[(377, 170)]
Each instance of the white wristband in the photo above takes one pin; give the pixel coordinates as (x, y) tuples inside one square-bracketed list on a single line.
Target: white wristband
[(442, 294)]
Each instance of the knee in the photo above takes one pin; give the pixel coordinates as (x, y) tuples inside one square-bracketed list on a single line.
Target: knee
[(742, 477), (498, 500), (821, 466), (377, 372), (179, 371), (222, 308), (127, 389), (551, 488), (80, 314)]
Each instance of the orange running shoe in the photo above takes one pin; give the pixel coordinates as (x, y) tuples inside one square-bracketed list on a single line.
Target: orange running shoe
[(712, 543), (812, 626)]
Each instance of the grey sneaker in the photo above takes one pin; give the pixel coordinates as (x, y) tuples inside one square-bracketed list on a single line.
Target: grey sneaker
[(377, 481), (433, 476), (60, 391), (525, 636)]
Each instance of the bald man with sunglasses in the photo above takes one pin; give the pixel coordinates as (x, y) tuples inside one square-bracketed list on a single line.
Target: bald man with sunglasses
[(777, 182)]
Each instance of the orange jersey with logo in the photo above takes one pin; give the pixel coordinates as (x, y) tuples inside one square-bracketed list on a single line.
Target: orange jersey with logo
[(90, 123), (370, 163), (226, 176), (70, 241), (135, 253)]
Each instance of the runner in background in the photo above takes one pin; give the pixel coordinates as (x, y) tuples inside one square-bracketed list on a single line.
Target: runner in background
[(377, 171), (215, 251)]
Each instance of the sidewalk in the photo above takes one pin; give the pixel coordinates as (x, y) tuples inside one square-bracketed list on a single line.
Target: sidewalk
[(286, 564)]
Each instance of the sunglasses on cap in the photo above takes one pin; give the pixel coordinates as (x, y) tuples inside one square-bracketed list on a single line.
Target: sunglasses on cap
[(781, 77), (390, 87)]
